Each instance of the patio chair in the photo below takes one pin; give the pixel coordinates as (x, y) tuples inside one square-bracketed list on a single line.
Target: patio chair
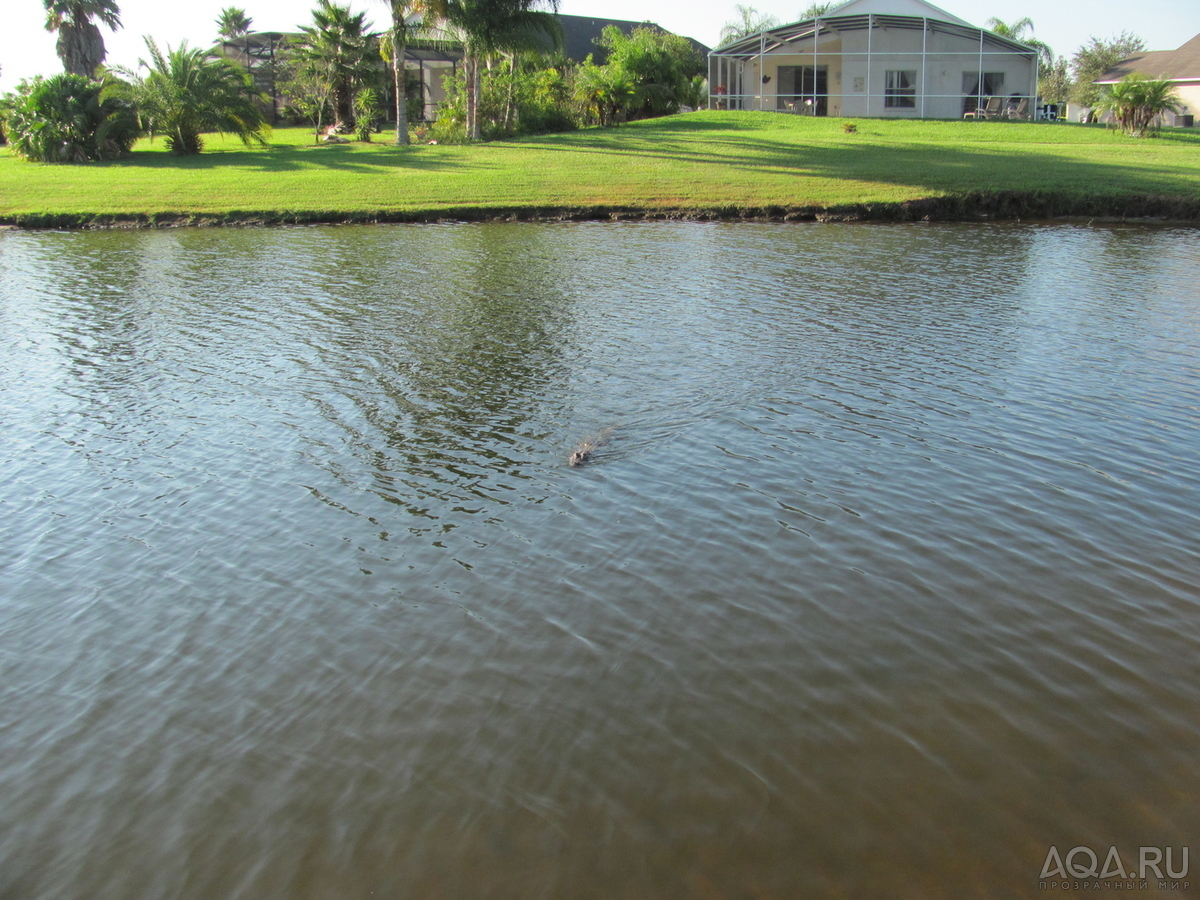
[(1020, 111), (993, 109)]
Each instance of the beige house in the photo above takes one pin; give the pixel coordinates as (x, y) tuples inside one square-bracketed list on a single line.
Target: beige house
[(894, 58), (1181, 67)]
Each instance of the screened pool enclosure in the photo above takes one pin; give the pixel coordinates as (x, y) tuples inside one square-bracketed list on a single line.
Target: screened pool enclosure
[(917, 61)]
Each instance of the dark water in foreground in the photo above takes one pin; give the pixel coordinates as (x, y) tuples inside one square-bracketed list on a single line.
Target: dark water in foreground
[(886, 579)]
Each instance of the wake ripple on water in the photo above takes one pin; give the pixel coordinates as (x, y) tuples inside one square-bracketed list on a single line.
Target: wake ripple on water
[(301, 598)]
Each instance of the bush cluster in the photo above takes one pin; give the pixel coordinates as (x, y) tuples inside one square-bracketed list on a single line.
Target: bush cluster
[(185, 92), (647, 73), (69, 119)]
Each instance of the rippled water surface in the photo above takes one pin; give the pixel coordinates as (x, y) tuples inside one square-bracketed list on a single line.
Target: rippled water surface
[(882, 577)]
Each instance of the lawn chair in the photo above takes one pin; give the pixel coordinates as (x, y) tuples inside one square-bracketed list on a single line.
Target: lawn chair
[(1020, 111), (993, 109)]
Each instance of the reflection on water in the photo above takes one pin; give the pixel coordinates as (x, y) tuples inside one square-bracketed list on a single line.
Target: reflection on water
[(882, 581)]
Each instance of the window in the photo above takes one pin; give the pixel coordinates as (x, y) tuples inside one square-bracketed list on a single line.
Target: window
[(978, 86), (992, 83), (900, 89)]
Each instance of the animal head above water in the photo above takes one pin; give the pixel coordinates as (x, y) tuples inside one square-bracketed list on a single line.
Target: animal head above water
[(584, 449)]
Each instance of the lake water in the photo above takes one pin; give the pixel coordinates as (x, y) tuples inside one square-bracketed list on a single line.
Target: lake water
[(883, 577)]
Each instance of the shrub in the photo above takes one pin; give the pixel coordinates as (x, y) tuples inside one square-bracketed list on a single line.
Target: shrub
[(69, 119), (189, 91), (366, 111), (1136, 101), (605, 93), (661, 67), (520, 98)]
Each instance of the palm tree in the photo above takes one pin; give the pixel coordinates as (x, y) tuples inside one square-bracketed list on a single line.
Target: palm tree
[(489, 27), (1135, 101), (187, 92), (80, 45), (604, 91), (749, 21), (1014, 31), (814, 10), (1021, 31), (393, 46), (339, 48), (233, 23), (67, 119)]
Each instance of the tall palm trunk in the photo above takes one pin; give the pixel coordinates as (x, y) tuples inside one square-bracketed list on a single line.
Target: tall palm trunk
[(493, 26), (510, 105), (471, 64), (80, 47), (398, 75), (343, 108), (399, 43)]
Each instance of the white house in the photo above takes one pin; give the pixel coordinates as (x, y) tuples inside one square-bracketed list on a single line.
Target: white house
[(897, 58)]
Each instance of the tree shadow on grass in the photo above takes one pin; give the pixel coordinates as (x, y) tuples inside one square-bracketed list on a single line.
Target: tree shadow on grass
[(340, 157), (931, 167), (788, 164)]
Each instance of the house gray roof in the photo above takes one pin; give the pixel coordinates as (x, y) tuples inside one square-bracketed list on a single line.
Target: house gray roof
[(1173, 65), (581, 32), (579, 39)]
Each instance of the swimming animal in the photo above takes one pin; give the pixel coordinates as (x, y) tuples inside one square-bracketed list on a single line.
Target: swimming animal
[(586, 448)]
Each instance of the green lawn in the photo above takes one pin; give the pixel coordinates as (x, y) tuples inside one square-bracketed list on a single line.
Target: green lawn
[(699, 162)]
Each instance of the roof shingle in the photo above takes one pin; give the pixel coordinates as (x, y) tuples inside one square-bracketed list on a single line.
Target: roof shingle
[(1173, 65)]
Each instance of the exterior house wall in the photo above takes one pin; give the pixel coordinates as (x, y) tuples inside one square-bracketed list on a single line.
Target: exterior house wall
[(1189, 96), (899, 58), (857, 65), (433, 77)]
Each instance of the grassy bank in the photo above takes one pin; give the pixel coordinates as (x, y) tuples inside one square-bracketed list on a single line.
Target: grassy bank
[(709, 164)]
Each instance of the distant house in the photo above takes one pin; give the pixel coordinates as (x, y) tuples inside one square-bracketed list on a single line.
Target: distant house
[(580, 34), (262, 53), (428, 60), (1181, 67), (897, 58)]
